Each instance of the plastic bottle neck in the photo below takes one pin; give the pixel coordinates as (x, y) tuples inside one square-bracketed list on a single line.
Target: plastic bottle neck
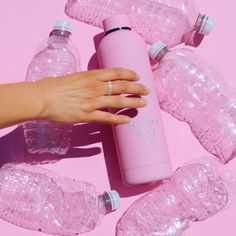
[(199, 22), (106, 203), (59, 32), (161, 54), (117, 29)]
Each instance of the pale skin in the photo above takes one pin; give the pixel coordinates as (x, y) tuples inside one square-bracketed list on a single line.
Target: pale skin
[(76, 98)]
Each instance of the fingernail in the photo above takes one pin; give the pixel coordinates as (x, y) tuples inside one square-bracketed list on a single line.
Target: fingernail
[(143, 101), (138, 76), (147, 90), (126, 119)]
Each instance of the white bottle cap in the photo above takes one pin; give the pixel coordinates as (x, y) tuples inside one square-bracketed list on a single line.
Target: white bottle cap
[(207, 25), (155, 49), (63, 25), (115, 199)]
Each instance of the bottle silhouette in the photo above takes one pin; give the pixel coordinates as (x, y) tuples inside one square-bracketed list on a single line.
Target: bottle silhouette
[(56, 57), (38, 199), (172, 22), (141, 144), (195, 192), (193, 91)]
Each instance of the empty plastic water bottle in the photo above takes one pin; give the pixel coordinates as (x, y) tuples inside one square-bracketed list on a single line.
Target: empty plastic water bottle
[(172, 22), (195, 192), (57, 57), (193, 91), (38, 199)]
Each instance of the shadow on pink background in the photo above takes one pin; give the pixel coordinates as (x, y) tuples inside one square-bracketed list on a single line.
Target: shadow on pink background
[(92, 157)]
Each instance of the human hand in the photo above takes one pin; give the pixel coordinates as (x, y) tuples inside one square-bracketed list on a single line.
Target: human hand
[(80, 97)]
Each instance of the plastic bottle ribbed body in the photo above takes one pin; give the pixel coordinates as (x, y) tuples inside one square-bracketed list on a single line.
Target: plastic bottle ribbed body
[(193, 91), (38, 199), (55, 59), (194, 193), (163, 20)]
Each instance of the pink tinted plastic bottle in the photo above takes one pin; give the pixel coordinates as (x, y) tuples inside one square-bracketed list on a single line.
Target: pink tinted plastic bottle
[(38, 199), (172, 22), (141, 144), (194, 193), (58, 56), (192, 91)]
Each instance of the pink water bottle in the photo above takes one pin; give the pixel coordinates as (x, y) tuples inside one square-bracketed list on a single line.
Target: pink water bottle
[(141, 144)]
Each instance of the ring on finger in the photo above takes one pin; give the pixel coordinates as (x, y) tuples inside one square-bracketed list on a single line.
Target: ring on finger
[(109, 88)]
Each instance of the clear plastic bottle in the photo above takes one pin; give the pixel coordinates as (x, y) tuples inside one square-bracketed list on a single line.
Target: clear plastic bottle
[(193, 91), (195, 192), (172, 22), (57, 57), (38, 199)]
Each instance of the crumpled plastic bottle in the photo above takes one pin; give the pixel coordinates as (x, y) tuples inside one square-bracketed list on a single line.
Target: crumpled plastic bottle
[(195, 192), (172, 22), (193, 91), (38, 199)]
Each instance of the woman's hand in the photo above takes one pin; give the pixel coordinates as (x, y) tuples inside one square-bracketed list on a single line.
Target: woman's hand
[(80, 97)]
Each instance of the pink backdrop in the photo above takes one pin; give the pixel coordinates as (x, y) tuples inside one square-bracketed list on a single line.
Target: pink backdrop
[(24, 24)]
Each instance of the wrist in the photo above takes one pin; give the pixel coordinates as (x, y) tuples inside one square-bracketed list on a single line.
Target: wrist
[(20, 102), (37, 105), (40, 100)]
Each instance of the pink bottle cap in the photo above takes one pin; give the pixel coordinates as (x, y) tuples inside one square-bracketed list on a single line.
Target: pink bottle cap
[(117, 21)]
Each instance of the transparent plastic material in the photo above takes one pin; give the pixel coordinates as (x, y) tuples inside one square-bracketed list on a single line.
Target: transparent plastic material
[(38, 199), (195, 192), (57, 57), (172, 22), (193, 91)]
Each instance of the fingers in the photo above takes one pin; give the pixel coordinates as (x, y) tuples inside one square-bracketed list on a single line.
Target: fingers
[(119, 102), (107, 118), (125, 87), (96, 81), (120, 87), (109, 74), (116, 74)]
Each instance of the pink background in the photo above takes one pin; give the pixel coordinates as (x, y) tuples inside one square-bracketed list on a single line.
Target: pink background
[(24, 24)]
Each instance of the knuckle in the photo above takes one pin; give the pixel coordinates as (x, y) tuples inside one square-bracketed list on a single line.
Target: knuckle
[(123, 86), (136, 102), (108, 117), (87, 106), (118, 72), (122, 100)]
